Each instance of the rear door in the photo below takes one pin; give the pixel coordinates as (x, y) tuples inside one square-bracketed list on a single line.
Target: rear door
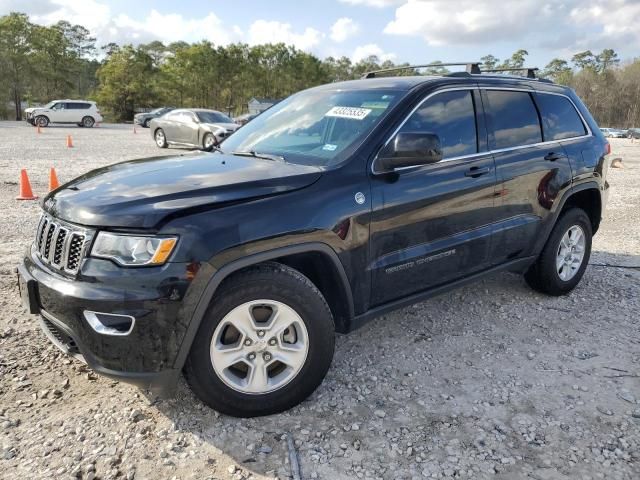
[(532, 171), (432, 224)]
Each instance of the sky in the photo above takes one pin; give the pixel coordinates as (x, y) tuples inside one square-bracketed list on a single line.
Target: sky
[(415, 31)]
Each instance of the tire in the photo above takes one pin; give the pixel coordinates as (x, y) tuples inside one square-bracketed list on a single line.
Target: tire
[(88, 122), (160, 138), (41, 121), (263, 285), (80, 125), (146, 123), (546, 275), (208, 142)]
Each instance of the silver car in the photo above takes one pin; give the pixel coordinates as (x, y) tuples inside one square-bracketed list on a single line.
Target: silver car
[(194, 127)]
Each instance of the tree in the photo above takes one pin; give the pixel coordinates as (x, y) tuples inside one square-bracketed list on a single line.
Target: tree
[(15, 53), (558, 70), (125, 81), (606, 59), (489, 62), (584, 60), (517, 59)]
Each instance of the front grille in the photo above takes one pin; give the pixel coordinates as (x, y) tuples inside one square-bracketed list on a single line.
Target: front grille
[(61, 245)]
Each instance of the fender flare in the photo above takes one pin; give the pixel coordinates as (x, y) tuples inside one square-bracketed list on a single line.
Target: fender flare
[(236, 265), (557, 210)]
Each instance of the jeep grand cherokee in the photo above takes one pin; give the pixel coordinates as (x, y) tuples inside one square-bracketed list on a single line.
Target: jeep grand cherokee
[(338, 204)]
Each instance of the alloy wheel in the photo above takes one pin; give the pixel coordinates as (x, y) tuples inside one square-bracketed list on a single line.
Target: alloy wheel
[(259, 347), (570, 253)]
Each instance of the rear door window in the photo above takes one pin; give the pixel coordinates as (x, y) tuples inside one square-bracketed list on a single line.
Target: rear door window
[(514, 118), (559, 117), (451, 116)]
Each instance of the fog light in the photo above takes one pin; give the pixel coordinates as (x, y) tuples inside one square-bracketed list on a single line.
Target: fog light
[(110, 323)]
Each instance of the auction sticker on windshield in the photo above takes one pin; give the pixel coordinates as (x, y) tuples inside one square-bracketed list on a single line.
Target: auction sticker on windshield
[(354, 113)]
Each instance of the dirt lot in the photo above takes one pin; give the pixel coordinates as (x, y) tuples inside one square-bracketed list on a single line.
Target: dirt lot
[(491, 381)]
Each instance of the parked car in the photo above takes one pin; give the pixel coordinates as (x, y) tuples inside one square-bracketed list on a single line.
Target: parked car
[(144, 119), (337, 205), (613, 133), (633, 133), (194, 127), (244, 119), (84, 113)]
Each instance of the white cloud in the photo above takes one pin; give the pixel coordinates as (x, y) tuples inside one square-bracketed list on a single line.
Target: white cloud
[(364, 51), (554, 25), (173, 27), (374, 3), (343, 29), (264, 31), (90, 14)]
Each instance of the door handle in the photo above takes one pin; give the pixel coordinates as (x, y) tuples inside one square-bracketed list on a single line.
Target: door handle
[(552, 156), (475, 172)]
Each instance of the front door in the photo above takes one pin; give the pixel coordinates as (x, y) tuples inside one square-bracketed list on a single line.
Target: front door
[(432, 224)]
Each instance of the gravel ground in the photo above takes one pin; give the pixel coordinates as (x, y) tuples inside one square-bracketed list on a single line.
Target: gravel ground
[(490, 381)]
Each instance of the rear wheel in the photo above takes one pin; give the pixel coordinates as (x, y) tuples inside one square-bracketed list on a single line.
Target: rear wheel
[(264, 345), (41, 121), (161, 140), (88, 122), (565, 257)]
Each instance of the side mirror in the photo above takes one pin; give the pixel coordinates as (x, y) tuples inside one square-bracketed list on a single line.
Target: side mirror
[(408, 149)]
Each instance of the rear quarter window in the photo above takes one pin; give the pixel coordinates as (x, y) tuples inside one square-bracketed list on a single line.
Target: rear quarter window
[(514, 118), (559, 117)]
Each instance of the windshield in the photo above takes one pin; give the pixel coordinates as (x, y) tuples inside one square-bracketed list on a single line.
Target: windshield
[(213, 117), (157, 110), (50, 104), (314, 127)]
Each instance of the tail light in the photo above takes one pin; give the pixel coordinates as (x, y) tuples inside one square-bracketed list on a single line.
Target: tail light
[(607, 148), (98, 112)]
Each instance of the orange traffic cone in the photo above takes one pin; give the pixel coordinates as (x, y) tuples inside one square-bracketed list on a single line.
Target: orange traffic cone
[(69, 142), (134, 129), (25, 187), (53, 179), (38, 129)]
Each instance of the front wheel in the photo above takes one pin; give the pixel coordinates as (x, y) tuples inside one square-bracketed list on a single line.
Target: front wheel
[(161, 140), (208, 142), (264, 345), (146, 123), (41, 121), (565, 257)]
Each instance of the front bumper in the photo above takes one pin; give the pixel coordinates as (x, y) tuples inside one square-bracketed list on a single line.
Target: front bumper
[(146, 356)]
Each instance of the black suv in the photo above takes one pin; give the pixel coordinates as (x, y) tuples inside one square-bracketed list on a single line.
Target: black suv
[(337, 205)]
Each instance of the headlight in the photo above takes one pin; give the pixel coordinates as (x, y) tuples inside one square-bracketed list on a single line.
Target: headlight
[(131, 250)]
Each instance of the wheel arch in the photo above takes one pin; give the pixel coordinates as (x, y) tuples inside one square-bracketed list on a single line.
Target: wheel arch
[(586, 196), (305, 258)]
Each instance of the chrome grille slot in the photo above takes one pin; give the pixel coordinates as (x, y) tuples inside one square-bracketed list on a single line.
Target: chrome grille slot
[(75, 251), (46, 248), (61, 245), (59, 250)]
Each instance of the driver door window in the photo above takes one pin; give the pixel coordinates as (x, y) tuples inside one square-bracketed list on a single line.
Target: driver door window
[(450, 115)]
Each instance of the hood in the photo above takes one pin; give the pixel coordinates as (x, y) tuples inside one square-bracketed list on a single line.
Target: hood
[(141, 193), (226, 126)]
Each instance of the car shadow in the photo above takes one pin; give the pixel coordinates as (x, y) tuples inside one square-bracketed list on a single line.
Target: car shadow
[(454, 333)]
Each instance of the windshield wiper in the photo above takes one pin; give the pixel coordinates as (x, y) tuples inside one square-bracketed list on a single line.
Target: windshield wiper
[(254, 154)]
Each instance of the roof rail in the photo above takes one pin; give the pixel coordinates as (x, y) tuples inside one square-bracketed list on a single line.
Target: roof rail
[(471, 67), (531, 71)]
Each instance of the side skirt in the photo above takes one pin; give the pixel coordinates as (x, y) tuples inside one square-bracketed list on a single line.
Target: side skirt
[(519, 266)]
